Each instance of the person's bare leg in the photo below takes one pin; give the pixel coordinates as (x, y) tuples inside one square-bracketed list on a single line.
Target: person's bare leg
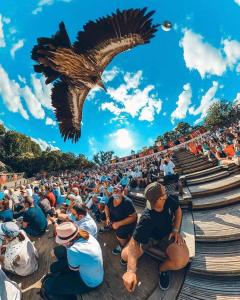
[(177, 258)]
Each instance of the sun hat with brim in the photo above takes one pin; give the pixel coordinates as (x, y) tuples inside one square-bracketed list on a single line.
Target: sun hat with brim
[(9, 229), (66, 232)]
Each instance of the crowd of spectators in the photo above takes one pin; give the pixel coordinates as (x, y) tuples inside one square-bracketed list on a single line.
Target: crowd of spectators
[(81, 205)]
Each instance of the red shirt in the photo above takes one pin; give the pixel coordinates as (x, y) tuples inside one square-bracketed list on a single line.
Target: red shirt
[(51, 198)]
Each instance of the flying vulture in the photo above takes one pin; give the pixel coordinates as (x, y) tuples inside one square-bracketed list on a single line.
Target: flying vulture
[(76, 68)]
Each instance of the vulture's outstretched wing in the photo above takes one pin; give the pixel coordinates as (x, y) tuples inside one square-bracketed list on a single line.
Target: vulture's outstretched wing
[(68, 103), (59, 40), (109, 36)]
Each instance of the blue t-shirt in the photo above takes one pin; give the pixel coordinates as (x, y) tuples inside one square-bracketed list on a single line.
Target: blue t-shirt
[(124, 181), (87, 256), (36, 198), (6, 215), (35, 218)]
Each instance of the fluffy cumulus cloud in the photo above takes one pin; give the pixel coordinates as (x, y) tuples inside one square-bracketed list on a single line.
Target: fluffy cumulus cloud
[(205, 58), (122, 139), (36, 97), (50, 122), (237, 2), (183, 103), (42, 3), (109, 75), (2, 38), (17, 46), (129, 98), (10, 92), (44, 145), (93, 145), (206, 101), (201, 55)]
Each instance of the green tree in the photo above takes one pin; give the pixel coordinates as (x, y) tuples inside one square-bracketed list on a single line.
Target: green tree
[(2, 129), (102, 158), (222, 113), (182, 128)]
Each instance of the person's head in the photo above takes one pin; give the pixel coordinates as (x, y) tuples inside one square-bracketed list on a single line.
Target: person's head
[(68, 233), (4, 204), (155, 194), (79, 211), (28, 202), (117, 193), (9, 231), (75, 191)]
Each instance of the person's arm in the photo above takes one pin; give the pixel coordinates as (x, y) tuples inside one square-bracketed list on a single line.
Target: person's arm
[(176, 227), (1, 260), (130, 277), (107, 213), (129, 220)]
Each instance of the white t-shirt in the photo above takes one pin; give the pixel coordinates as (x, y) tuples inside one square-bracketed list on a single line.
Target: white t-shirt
[(168, 169)]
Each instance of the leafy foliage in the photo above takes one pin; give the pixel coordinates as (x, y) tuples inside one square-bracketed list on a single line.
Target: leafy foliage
[(102, 158), (222, 113)]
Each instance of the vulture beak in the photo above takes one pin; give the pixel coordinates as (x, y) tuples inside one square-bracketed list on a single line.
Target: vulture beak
[(101, 85)]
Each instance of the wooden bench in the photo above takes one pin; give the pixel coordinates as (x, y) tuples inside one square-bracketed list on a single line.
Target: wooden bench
[(218, 259), (216, 186), (221, 224), (221, 199), (208, 178), (197, 287)]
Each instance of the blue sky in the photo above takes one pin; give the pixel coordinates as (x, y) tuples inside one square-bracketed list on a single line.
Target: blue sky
[(150, 89)]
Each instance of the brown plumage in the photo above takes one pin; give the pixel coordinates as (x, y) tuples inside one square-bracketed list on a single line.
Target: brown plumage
[(76, 69)]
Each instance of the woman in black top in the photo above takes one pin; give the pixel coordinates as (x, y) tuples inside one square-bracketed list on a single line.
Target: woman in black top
[(121, 214)]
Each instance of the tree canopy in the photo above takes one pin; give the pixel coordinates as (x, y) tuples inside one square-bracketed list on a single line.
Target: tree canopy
[(102, 158)]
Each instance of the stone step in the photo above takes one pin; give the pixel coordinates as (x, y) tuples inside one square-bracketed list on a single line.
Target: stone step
[(217, 200), (221, 224), (215, 187), (218, 259), (208, 178), (198, 287), (204, 172), (199, 168), (194, 164)]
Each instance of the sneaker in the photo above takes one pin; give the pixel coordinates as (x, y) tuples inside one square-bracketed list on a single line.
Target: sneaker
[(164, 280), (104, 229), (117, 250), (123, 262)]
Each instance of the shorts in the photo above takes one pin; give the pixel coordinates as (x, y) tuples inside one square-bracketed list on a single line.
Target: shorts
[(168, 179), (160, 244), (126, 231)]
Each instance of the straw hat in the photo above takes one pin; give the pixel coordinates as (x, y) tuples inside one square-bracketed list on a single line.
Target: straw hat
[(66, 232)]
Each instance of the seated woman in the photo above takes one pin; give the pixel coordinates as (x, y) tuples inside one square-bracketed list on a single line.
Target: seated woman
[(121, 215), (18, 254), (222, 157), (6, 214), (79, 265), (158, 226), (34, 220)]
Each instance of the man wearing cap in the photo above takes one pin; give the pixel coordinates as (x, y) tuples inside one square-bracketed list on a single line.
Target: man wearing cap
[(158, 226), (79, 265), (121, 214)]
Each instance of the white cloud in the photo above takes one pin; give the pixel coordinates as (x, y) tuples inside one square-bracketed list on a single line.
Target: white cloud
[(130, 99), (16, 47), (183, 103), (50, 122), (36, 98), (232, 51), (2, 39), (237, 2), (6, 20), (44, 145), (92, 146), (42, 91), (201, 55), (237, 99), (32, 102), (42, 3), (122, 138), (206, 101), (109, 75), (10, 92)]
